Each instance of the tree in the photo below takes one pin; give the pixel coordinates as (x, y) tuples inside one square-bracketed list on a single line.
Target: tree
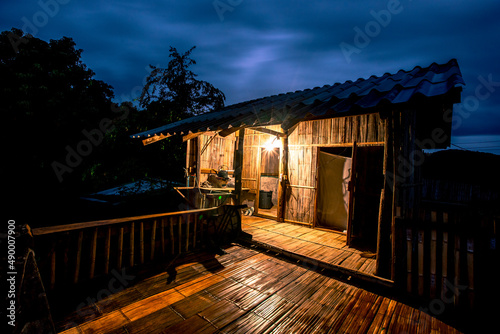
[(169, 95), (49, 97), (177, 88)]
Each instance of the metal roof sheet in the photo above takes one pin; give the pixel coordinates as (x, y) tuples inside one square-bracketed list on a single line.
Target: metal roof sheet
[(329, 100)]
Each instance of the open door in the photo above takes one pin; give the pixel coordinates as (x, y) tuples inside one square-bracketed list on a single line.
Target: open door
[(352, 189), (332, 206)]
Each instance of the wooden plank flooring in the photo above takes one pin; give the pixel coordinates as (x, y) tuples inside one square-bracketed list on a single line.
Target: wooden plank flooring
[(320, 245), (246, 291)]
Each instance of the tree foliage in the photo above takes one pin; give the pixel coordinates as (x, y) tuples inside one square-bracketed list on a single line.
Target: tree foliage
[(176, 87), (48, 98), (65, 137)]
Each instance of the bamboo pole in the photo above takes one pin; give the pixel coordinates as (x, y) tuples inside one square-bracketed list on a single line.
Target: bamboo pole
[(180, 233), (153, 240), (420, 262), (188, 218), (162, 236), (194, 229), (107, 244), (395, 187), (78, 256), (409, 248), (172, 235), (65, 255), (141, 241), (352, 189), (131, 255), (433, 263), (93, 248), (53, 266), (238, 165), (444, 266), (456, 282), (385, 207), (120, 248), (470, 270)]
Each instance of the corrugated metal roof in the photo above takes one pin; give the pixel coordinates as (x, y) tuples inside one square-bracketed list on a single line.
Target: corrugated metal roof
[(327, 101)]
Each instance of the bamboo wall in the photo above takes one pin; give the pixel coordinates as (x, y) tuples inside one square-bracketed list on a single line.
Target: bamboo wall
[(446, 257), (302, 144), (254, 141), (302, 159), (219, 152)]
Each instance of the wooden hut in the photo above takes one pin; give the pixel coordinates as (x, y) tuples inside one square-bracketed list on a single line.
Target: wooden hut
[(344, 157)]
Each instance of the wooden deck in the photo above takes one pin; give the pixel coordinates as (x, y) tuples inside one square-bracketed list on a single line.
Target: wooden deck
[(328, 248), (245, 291)]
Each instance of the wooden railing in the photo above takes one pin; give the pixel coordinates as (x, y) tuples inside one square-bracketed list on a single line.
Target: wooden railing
[(69, 254), (447, 256)]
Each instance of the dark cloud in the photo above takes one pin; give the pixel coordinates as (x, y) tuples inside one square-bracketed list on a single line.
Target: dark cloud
[(254, 49)]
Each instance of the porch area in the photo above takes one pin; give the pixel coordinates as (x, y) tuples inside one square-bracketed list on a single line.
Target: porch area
[(327, 249)]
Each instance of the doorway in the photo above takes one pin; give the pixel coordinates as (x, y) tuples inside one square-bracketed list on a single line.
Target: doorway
[(368, 182), (268, 182), (348, 192), (334, 174)]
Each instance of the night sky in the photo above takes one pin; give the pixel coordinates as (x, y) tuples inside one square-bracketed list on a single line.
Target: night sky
[(252, 49)]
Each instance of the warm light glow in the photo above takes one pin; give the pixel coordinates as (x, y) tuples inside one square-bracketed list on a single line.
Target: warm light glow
[(272, 143)]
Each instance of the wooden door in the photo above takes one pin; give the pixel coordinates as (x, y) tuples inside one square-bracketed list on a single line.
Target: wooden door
[(352, 189)]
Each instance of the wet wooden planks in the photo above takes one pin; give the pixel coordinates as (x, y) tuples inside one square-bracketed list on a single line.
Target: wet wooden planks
[(320, 245), (257, 293)]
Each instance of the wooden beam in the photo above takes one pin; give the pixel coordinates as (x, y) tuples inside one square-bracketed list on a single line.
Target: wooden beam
[(190, 136), (238, 165), (97, 223), (269, 131), (227, 132), (154, 139)]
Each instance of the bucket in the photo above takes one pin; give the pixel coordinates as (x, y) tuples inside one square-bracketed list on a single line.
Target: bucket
[(265, 199)]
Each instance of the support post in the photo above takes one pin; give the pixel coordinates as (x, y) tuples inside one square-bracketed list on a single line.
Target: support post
[(237, 165), (283, 178), (395, 186), (385, 208)]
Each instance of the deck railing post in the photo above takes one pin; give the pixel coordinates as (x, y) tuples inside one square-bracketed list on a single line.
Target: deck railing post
[(107, 246), (141, 241), (153, 240), (120, 249), (78, 256), (131, 259), (93, 248)]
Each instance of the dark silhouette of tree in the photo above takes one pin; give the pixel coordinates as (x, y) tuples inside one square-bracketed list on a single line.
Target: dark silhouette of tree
[(48, 98), (176, 88), (64, 136), (169, 95)]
